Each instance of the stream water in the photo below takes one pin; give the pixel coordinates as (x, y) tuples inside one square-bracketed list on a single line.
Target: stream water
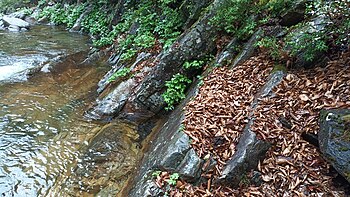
[(42, 132)]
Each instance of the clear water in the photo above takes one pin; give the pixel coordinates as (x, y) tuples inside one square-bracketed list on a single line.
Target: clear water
[(41, 125), (22, 50)]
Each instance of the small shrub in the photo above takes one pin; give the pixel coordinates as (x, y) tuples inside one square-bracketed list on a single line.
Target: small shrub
[(173, 179), (156, 173), (311, 43), (195, 64), (120, 73), (175, 91), (271, 45)]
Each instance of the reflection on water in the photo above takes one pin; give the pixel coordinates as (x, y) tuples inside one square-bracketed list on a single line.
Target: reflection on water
[(41, 130), (22, 50)]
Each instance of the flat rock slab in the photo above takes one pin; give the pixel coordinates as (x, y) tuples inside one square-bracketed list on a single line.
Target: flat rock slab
[(334, 139), (11, 21), (250, 150)]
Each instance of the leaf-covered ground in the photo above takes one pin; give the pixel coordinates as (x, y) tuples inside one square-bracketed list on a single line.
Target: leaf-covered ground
[(293, 167)]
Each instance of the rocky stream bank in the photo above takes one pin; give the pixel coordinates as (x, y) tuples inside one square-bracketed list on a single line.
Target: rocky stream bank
[(252, 125)]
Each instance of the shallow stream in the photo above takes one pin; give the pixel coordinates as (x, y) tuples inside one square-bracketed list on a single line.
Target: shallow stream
[(42, 130)]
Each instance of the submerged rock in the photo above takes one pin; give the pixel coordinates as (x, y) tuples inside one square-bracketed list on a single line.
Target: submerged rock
[(108, 161), (334, 139), (112, 103)]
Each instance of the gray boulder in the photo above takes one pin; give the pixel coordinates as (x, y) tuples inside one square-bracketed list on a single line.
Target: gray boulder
[(170, 151), (13, 28), (112, 103), (250, 150), (315, 25), (295, 14), (334, 139), (19, 15), (12, 21), (2, 27)]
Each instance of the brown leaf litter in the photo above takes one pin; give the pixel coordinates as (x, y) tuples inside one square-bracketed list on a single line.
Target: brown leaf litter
[(293, 167)]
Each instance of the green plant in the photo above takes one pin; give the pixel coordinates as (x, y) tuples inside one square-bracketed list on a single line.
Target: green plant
[(311, 43), (200, 80), (156, 173), (275, 7), (232, 14), (247, 29), (7, 6), (120, 73), (26, 11), (173, 179), (271, 45), (195, 64), (175, 91)]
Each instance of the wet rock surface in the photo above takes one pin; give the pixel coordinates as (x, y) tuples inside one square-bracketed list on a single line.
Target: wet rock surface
[(107, 107), (193, 44), (250, 149), (294, 15), (108, 160), (314, 25), (334, 139), (14, 24), (171, 151)]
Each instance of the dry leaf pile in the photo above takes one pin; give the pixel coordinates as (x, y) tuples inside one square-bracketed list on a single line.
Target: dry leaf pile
[(216, 117), (292, 167)]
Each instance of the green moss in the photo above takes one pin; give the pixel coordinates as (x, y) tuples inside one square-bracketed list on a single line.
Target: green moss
[(347, 175), (279, 67), (346, 135), (344, 148), (346, 118)]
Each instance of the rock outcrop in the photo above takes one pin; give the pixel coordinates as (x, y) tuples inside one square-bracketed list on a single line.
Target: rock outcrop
[(170, 151), (14, 24), (334, 139)]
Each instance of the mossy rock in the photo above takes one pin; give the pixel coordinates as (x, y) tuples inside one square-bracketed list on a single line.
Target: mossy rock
[(334, 139)]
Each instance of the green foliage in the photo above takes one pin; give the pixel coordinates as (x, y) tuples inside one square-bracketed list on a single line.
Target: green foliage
[(173, 179), (175, 90), (271, 45), (339, 13), (233, 14), (120, 73), (7, 6), (200, 80), (96, 23), (311, 43), (275, 7), (247, 29), (195, 64), (62, 14), (166, 1), (144, 41), (26, 11), (238, 17), (156, 173), (153, 21), (130, 53)]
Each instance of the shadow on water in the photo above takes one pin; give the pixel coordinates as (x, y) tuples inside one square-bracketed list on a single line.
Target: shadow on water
[(42, 134)]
